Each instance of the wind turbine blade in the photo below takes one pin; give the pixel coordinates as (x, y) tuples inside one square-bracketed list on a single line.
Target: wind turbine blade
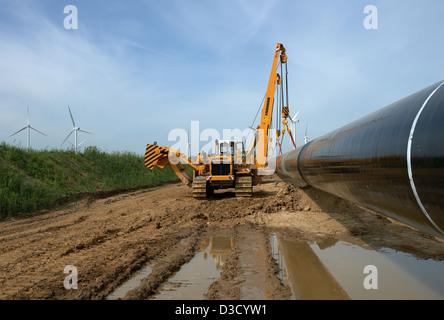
[(73, 123), (67, 137), (296, 115), (18, 131), (81, 143), (85, 131), (37, 131), (28, 116)]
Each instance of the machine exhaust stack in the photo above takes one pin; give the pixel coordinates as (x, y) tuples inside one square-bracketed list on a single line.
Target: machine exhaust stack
[(391, 161)]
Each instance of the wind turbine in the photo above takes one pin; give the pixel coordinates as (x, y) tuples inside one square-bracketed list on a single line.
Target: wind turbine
[(306, 138), (75, 129), (28, 141), (294, 120)]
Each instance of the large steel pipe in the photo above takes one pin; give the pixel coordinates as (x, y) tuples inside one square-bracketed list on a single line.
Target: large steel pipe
[(391, 161)]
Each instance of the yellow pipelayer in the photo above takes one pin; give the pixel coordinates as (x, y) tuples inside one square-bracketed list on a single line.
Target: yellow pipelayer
[(230, 166)]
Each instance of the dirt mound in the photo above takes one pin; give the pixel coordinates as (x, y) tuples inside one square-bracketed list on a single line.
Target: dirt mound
[(288, 197)]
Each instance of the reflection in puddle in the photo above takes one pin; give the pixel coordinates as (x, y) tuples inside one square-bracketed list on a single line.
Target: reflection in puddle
[(304, 273), (191, 282), (336, 271), (132, 283)]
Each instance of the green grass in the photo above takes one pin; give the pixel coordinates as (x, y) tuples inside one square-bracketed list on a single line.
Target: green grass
[(34, 180)]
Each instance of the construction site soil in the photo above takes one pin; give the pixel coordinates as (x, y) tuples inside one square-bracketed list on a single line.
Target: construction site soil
[(108, 239)]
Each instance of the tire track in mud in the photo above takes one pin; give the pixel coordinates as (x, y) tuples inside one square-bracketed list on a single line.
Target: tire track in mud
[(259, 270), (181, 253), (250, 272), (151, 250), (35, 234)]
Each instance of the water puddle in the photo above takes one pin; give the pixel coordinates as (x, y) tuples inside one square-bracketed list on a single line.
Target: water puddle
[(191, 282), (132, 283), (336, 271)]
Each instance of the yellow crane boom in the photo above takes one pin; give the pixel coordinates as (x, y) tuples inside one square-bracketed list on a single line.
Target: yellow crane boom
[(261, 139)]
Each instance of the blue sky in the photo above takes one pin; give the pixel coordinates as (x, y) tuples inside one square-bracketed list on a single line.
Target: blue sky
[(135, 70)]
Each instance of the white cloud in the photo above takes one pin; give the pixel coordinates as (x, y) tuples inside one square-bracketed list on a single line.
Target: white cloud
[(137, 71)]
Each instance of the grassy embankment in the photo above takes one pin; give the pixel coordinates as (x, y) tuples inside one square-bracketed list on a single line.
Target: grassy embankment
[(34, 180)]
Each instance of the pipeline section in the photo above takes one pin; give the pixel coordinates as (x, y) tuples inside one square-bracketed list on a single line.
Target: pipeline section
[(391, 161)]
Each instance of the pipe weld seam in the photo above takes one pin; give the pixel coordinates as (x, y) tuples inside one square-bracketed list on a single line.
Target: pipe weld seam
[(409, 160)]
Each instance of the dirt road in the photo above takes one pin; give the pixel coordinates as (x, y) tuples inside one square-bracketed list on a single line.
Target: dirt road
[(109, 239)]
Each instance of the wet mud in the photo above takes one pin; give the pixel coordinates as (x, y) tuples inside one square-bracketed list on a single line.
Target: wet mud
[(283, 243)]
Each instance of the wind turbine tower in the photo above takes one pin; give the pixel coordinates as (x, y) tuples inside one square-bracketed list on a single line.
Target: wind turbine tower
[(306, 138), (294, 120), (28, 140), (75, 129)]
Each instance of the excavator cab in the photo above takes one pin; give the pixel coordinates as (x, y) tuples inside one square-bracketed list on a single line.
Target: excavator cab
[(226, 148), (230, 148)]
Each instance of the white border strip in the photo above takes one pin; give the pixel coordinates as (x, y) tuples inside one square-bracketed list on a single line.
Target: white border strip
[(409, 159)]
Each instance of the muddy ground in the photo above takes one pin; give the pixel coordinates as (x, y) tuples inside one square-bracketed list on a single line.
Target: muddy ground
[(109, 239)]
